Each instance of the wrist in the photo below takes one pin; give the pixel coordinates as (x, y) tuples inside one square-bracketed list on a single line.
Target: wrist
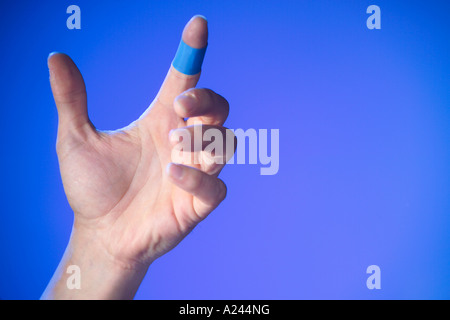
[(89, 271)]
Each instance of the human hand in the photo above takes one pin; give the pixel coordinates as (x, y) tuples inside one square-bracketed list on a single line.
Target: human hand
[(131, 203)]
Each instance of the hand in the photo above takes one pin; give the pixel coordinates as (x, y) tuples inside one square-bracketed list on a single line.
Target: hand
[(131, 204)]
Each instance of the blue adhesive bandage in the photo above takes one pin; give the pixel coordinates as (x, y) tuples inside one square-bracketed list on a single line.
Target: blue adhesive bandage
[(188, 60)]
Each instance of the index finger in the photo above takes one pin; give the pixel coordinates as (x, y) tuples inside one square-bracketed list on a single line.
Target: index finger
[(184, 72)]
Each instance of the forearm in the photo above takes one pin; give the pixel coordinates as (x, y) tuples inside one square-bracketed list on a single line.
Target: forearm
[(100, 277)]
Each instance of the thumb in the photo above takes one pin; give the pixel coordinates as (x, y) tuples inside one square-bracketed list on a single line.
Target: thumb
[(184, 72), (69, 93)]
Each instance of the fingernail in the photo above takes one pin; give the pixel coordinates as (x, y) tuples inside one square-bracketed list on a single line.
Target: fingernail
[(175, 171), (187, 102), (51, 54), (199, 16), (48, 58)]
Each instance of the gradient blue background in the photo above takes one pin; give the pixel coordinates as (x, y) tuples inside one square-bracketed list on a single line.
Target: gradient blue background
[(364, 143)]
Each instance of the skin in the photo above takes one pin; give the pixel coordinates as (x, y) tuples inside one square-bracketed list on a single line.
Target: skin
[(131, 204)]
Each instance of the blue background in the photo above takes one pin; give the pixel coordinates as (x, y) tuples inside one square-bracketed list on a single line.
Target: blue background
[(364, 143)]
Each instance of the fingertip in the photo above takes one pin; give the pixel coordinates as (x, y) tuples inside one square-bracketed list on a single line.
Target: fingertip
[(200, 16), (61, 66), (195, 33), (185, 104), (51, 54), (174, 171), (50, 59), (56, 58), (64, 74)]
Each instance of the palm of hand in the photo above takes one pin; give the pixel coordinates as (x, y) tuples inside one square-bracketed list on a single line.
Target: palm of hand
[(116, 183)]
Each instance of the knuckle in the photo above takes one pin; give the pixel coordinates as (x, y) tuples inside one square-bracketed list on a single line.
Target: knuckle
[(210, 93), (196, 182), (222, 192), (196, 93), (206, 94)]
